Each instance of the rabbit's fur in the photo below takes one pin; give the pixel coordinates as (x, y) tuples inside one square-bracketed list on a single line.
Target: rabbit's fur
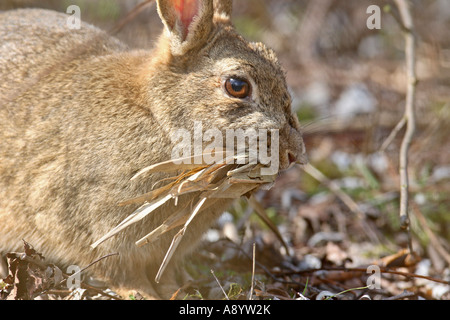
[(80, 114)]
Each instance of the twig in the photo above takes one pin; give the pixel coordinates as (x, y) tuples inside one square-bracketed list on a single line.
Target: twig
[(404, 7), (253, 272), (346, 199), (130, 16), (261, 213), (89, 287), (404, 294), (361, 270), (220, 286), (267, 271), (393, 134), (433, 239), (345, 291), (99, 291), (90, 264)]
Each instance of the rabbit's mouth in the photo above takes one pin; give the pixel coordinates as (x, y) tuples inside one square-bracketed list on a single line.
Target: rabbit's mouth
[(289, 158), (291, 148), (300, 160)]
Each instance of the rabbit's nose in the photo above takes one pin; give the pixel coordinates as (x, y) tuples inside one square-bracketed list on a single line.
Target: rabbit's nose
[(297, 157), (292, 148), (291, 157)]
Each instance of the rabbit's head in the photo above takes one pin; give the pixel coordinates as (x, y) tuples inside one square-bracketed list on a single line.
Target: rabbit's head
[(203, 70)]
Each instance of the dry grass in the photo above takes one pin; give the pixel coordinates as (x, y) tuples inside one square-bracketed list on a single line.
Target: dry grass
[(206, 185)]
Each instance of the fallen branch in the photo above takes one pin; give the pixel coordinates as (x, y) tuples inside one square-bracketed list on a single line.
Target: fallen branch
[(359, 270)]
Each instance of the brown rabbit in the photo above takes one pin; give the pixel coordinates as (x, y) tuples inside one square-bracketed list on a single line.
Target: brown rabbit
[(80, 114)]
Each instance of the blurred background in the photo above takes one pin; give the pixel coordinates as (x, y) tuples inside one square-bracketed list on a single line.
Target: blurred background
[(348, 85)]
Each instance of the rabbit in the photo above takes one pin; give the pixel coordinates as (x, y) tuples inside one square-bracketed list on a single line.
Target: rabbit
[(81, 113)]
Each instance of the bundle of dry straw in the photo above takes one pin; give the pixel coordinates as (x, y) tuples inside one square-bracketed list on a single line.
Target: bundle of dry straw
[(206, 184)]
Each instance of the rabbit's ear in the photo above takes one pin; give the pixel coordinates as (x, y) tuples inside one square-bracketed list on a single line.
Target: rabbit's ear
[(187, 22), (223, 8)]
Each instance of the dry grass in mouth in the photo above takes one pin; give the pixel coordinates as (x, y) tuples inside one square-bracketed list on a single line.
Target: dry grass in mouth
[(207, 185)]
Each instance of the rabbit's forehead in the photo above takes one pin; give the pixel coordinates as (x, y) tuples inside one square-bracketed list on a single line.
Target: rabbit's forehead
[(234, 66), (232, 52)]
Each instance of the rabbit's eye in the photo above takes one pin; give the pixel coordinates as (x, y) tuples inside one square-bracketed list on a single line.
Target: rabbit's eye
[(238, 88)]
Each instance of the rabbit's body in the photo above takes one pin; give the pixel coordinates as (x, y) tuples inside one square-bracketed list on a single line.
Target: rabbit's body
[(80, 115)]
